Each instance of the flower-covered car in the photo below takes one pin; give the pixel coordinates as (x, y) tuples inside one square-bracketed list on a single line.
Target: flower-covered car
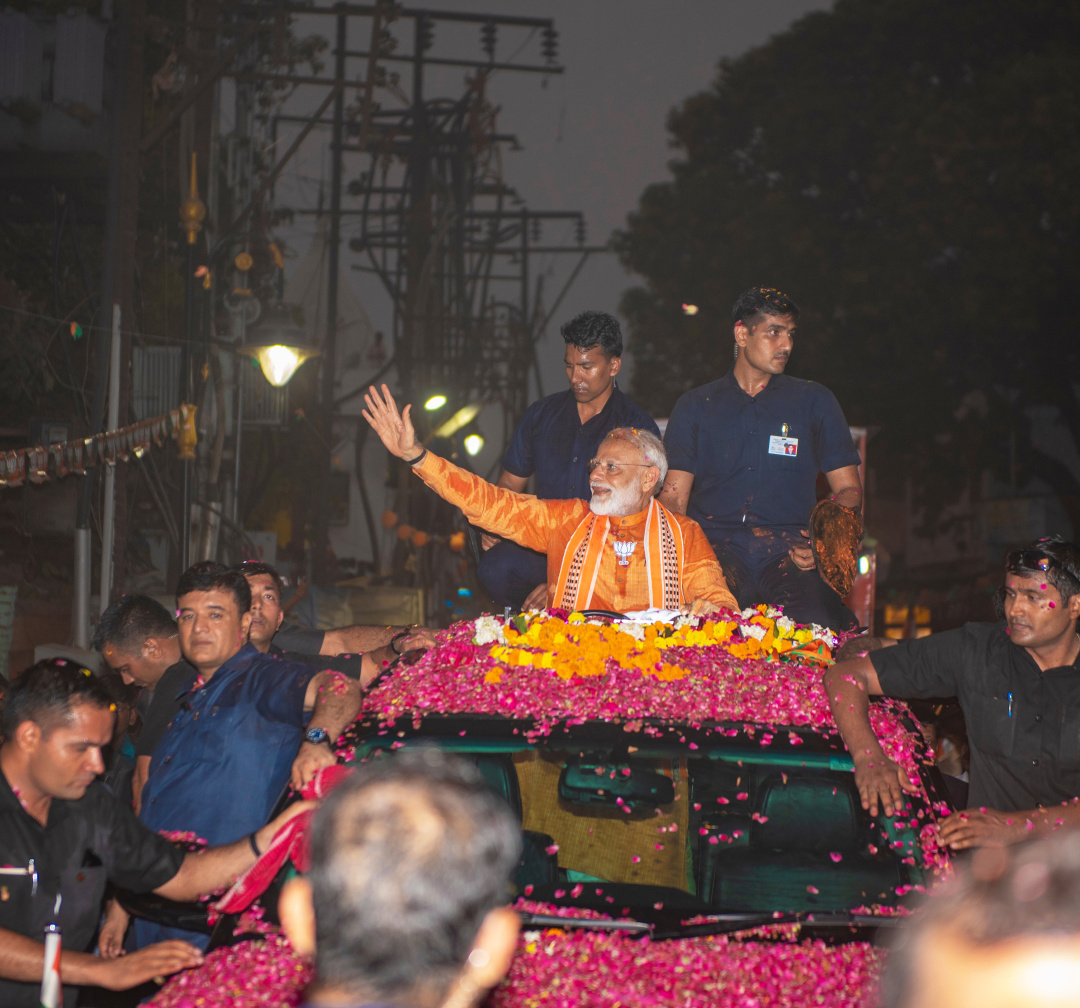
[(691, 830)]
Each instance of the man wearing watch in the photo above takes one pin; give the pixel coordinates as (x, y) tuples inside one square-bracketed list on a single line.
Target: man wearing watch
[(239, 739)]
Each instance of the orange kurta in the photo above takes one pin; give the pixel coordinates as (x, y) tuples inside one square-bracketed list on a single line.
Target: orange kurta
[(547, 525)]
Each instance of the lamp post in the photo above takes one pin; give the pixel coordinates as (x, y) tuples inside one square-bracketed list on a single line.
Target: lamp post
[(279, 345)]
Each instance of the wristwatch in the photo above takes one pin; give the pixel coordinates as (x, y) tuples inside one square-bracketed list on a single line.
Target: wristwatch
[(317, 735), (401, 635)]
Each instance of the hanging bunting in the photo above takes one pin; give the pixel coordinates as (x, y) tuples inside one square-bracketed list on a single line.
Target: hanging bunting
[(42, 463)]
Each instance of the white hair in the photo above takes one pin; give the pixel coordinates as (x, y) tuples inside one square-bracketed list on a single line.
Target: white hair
[(650, 446)]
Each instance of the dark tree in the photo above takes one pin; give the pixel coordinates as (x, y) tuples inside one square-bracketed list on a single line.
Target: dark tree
[(908, 172)]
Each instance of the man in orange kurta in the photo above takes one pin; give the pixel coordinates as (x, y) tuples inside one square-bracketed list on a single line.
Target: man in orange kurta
[(621, 550)]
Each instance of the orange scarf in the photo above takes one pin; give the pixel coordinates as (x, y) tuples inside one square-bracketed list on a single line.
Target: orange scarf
[(584, 554)]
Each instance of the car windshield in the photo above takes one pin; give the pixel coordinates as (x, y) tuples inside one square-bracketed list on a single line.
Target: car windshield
[(724, 824)]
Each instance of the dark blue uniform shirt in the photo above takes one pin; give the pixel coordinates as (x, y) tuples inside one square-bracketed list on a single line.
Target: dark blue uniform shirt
[(552, 442), (755, 459)]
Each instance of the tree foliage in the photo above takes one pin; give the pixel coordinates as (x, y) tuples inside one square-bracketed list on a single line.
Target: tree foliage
[(907, 171)]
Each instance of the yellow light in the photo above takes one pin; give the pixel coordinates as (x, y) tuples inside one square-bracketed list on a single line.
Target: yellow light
[(435, 402), (463, 416), (279, 363), (690, 309), (864, 564), (473, 444)]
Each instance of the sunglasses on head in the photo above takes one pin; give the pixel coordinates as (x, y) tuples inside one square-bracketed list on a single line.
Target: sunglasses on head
[(1036, 560)]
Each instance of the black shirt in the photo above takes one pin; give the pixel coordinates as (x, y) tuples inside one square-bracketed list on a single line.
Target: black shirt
[(755, 459), (84, 844), (1023, 724), (293, 637), (348, 664), (175, 681), (552, 442)]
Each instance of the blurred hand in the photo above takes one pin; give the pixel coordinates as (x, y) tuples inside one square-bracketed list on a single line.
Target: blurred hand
[(420, 637), (880, 780), (111, 938), (309, 760), (975, 828), (537, 598), (699, 607), (803, 556), (159, 960), (487, 540)]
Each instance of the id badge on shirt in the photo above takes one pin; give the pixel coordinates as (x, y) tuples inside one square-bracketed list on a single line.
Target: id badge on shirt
[(783, 445)]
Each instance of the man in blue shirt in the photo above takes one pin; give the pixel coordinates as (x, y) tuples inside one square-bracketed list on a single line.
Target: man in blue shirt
[(239, 737), (555, 441), (744, 454)]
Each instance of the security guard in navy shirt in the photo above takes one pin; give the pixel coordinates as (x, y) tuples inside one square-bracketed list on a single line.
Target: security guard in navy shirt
[(63, 836), (556, 440), (744, 454)]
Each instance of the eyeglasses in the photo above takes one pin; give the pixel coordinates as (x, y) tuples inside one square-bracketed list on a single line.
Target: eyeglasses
[(1036, 560), (611, 468)]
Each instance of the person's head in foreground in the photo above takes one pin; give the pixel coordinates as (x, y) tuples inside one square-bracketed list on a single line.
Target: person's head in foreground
[(267, 588), (1006, 936), (629, 467), (213, 614), (593, 354), (764, 321), (1041, 595), (406, 900), (57, 719)]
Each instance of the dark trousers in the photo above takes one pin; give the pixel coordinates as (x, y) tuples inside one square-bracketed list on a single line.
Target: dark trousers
[(509, 572), (757, 569)]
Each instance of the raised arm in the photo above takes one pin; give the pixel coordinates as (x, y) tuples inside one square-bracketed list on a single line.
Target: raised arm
[(519, 517), (848, 686)]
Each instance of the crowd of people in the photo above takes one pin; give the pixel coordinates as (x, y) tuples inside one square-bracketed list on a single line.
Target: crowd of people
[(206, 718)]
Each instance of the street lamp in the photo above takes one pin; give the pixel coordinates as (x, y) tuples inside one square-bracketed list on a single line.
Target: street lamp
[(435, 402), (279, 345), (474, 444)]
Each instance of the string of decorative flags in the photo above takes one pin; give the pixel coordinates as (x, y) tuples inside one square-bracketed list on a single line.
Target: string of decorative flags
[(54, 461)]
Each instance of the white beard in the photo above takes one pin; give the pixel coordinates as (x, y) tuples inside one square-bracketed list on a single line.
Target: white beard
[(618, 503)]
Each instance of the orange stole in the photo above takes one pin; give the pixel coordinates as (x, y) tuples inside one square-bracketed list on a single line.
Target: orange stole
[(584, 554)]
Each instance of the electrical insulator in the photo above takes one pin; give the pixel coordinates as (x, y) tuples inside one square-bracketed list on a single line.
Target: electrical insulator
[(487, 39), (579, 230), (550, 46), (355, 187), (425, 33)]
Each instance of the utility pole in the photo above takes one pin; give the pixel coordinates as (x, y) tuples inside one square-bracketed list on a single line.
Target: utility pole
[(321, 564)]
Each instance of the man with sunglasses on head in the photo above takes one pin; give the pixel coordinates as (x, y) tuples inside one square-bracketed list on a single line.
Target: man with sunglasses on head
[(1018, 684), (621, 550)]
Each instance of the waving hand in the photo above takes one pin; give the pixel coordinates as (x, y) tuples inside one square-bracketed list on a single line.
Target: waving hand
[(395, 429)]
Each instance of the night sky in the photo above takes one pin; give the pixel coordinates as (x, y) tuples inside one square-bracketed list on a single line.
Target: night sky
[(593, 138)]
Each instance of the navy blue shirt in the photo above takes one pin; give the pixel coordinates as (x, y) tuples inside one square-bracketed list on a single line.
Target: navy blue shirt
[(226, 756), (755, 459), (552, 442)]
